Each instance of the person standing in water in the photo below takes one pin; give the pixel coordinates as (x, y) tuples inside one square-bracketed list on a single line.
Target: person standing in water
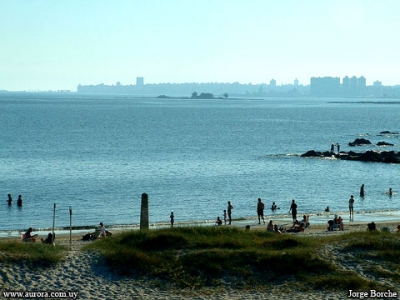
[(351, 206), (229, 209), (293, 209), (362, 192), (9, 201), (19, 201)]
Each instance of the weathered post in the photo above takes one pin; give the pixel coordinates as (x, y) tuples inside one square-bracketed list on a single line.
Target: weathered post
[(144, 212), (70, 228)]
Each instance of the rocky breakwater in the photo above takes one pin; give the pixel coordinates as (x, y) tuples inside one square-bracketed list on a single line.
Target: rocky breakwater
[(368, 156)]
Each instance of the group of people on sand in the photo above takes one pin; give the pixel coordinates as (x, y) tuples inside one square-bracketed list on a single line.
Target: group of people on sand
[(227, 214), (100, 232), (28, 236), (10, 200), (298, 226)]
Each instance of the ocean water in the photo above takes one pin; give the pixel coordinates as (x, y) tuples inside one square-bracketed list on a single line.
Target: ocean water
[(98, 154)]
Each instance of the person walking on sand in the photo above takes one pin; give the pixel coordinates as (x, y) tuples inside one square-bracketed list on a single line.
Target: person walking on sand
[(351, 206), (260, 210), (293, 209), (362, 192), (230, 207), (172, 217)]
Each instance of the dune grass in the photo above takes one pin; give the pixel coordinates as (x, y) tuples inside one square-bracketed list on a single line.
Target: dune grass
[(211, 256), (35, 254)]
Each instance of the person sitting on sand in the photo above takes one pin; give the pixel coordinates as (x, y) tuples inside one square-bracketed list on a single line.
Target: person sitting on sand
[(50, 239), (371, 226), (218, 222), (276, 229), (338, 220), (305, 221), (270, 226), (29, 237), (327, 209)]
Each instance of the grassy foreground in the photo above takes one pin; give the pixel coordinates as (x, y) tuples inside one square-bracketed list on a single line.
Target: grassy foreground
[(213, 256), (35, 254)]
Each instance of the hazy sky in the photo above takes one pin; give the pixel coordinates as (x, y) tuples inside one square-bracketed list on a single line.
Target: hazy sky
[(52, 45)]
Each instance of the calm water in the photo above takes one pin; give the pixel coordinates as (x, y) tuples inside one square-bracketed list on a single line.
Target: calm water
[(99, 154)]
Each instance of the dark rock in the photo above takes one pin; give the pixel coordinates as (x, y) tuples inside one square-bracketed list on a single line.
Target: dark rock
[(313, 153), (359, 142), (384, 144), (368, 156)]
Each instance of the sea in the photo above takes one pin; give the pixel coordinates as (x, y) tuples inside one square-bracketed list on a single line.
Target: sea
[(78, 159)]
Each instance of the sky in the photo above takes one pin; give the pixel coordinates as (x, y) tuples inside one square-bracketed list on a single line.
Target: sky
[(57, 45)]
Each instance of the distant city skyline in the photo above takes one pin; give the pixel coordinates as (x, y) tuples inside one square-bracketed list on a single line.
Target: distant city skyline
[(319, 87), (58, 45)]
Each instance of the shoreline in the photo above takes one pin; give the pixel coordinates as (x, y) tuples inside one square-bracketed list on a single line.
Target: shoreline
[(318, 220)]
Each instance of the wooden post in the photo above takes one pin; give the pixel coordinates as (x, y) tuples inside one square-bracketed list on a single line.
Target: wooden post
[(54, 224), (144, 212), (70, 228)]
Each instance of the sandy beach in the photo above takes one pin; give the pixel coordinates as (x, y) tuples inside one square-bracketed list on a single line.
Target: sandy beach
[(84, 272)]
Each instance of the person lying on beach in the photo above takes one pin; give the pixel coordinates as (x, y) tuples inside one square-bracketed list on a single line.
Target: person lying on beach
[(297, 228), (29, 237), (295, 223)]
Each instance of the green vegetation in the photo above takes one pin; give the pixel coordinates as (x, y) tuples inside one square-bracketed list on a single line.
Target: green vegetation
[(211, 256), (35, 254)]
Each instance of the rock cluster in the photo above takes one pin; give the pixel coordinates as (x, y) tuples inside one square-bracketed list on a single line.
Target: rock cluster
[(368, 156)]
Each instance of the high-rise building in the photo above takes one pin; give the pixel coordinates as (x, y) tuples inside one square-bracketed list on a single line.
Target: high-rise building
[(272, 83), (139, 81), (346, 83), (296, 82)]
